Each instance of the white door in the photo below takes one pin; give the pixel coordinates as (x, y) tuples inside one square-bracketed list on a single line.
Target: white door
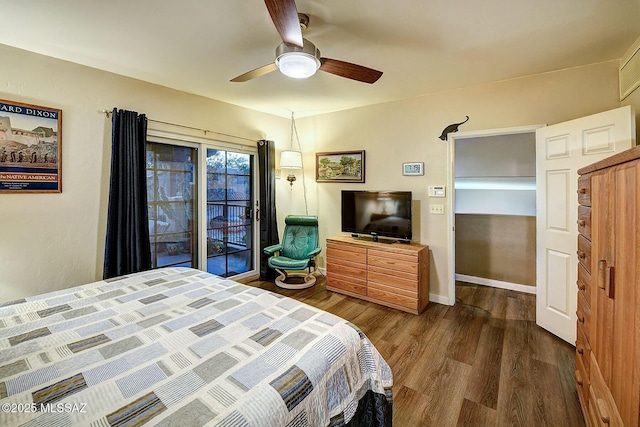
[(561, 150)]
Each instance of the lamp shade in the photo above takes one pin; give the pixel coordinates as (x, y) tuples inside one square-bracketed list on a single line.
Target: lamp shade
[(291, 159)]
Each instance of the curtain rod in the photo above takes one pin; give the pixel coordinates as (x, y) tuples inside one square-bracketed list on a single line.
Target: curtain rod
[(108, 113)]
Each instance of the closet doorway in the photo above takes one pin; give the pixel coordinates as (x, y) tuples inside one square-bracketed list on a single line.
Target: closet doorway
[(493, 209)]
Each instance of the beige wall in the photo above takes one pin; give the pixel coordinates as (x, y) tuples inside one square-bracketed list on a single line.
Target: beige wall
[(408, 130), (52, 241), (497, 247)]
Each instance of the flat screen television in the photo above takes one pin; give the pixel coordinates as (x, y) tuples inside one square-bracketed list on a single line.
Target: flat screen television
[(377, 213)]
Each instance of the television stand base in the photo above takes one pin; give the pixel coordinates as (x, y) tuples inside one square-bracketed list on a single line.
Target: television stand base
[(374, 239)]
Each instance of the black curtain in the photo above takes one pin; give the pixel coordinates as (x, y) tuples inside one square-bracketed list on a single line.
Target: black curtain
[(268, 220), (127, 248)]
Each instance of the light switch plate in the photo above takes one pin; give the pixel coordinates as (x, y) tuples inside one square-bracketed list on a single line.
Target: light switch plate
[(436, 209)]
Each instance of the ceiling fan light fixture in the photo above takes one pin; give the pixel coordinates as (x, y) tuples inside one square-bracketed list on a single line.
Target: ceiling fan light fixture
[(297, 65), (296, 62)]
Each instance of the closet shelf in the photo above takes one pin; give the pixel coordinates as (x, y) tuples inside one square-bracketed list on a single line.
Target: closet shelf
[(496, 183)]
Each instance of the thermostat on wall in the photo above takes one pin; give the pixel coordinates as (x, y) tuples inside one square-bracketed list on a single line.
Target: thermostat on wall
[(437, 191)]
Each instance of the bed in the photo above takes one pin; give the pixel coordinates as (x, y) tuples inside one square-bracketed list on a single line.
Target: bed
[(181, 347)]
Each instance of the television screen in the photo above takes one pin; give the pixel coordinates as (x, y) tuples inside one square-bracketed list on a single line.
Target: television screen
[(385, 213)]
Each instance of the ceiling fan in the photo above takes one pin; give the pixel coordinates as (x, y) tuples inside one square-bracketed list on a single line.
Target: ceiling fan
[(298, 57)]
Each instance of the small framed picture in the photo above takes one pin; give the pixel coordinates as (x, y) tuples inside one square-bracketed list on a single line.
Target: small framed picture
[(340, 166), (413, 168)]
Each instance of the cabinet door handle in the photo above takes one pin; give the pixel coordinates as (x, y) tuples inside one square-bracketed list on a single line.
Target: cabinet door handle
[(606, 277), (602, 267), (581, 223), (581, 285), (582, 191), (580, 316), (581, 255), (608, 281), (602, 409), (578, 377)]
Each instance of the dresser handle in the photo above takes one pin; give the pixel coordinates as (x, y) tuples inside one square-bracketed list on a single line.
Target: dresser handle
[(581, 255), (579, 349), (582, 191), (580, 316), (581, 223), (581, 285), (579, 377), (602, 409)]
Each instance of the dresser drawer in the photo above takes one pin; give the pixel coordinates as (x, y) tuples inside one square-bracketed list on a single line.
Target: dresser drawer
[(347, 284), (584, 315), (584, 190), (582, 384), (393, 261), (347, 268), (346, 252), (584, 252), (401, 280), (583, 349), (584, 283), (602, 407), (393, 296), (584, 221)]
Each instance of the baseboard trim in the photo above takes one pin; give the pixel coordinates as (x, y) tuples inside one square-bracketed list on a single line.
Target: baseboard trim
[(496, 283), (439, 299)]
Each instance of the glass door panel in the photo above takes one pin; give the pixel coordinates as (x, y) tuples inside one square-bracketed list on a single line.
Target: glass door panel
[(229, 214), (170, 194)]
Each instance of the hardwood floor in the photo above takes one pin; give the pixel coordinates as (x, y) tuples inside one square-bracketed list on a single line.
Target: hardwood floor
[(482, 362)]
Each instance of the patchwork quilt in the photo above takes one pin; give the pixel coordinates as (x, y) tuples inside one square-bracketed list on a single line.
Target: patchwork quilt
[(180, 347)]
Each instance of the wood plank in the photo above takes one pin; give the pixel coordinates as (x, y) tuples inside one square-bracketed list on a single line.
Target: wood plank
[(515, 400), (485, 379), (474, 414)]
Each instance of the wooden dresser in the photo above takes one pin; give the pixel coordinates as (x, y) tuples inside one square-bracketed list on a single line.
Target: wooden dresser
[(608, 326), (395, 275)]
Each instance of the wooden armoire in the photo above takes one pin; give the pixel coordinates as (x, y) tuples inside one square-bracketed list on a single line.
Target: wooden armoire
[(608, 327)]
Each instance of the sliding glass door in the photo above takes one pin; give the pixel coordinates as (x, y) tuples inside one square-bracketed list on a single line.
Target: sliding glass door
[(200, 196), (229, 214)]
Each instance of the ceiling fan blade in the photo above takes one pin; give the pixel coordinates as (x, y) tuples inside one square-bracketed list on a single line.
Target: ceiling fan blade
[(284, 14), (349, 70), (260, 71)]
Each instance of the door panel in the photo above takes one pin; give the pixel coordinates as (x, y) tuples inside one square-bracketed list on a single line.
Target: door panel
[(171, 175), (558, 275), (561, 150), (229, 212), (558, 199)]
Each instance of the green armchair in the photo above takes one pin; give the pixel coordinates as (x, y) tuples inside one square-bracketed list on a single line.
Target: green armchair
[(298, 251)]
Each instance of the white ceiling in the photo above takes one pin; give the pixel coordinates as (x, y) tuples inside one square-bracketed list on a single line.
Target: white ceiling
[(197, 46)]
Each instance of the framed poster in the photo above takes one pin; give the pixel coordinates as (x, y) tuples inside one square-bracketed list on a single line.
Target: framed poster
[(30, 148), (340, 166)]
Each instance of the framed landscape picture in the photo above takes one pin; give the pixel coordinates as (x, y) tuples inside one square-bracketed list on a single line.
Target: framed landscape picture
[(340, 166), (30, 144)]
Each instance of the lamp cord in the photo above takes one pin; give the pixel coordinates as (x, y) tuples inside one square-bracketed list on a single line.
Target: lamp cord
[(294, 129)]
